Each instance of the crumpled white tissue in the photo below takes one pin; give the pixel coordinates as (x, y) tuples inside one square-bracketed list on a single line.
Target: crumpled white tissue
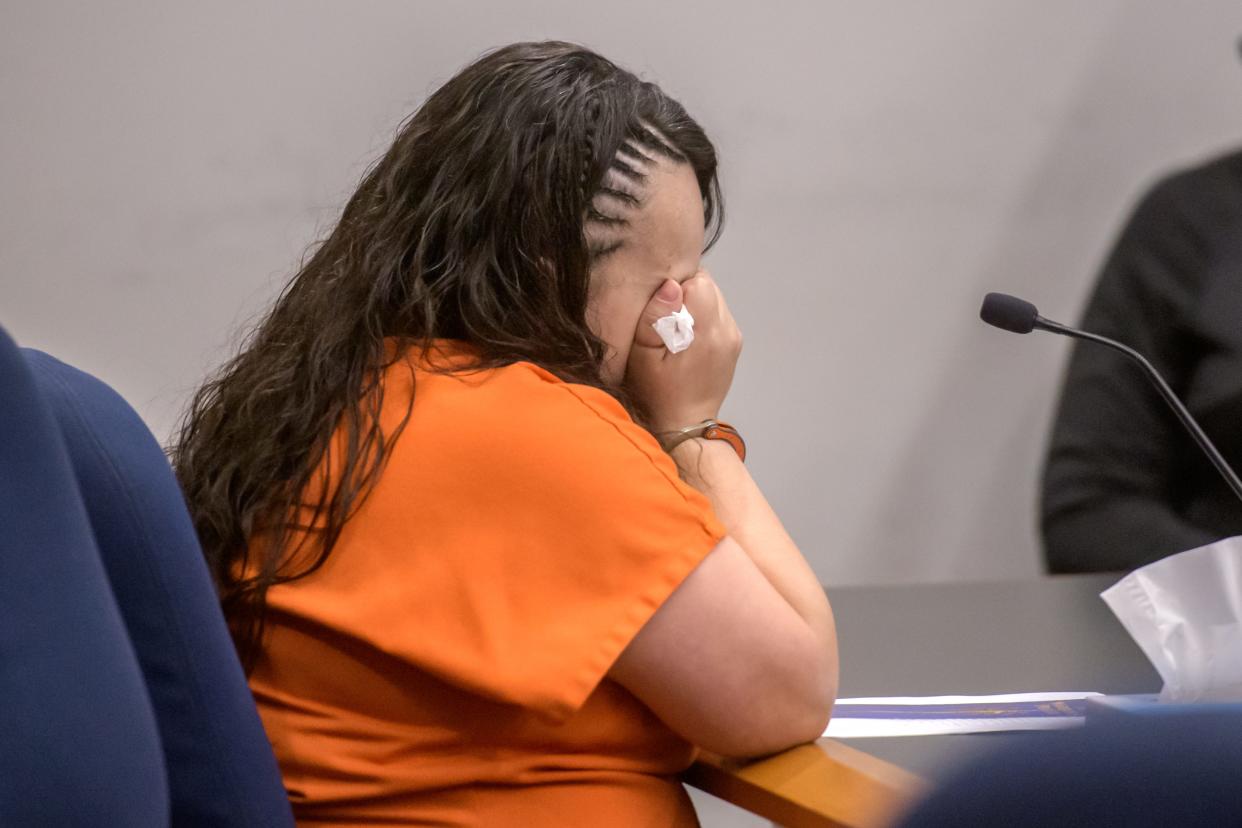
[(676, 329), (1185, 612)]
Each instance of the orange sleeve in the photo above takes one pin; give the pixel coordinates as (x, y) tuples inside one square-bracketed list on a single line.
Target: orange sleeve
[(526, 538)]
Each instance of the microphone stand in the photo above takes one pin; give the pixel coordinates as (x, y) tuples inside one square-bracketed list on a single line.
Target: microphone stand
[(1166, 392)]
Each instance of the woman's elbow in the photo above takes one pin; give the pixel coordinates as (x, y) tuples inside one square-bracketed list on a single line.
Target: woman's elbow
[(812, 694), (828, 677), (794, 712), (820, 698), (751, 740), (820, 701)]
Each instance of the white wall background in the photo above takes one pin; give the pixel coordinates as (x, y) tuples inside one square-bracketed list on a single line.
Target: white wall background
[(162, 166)]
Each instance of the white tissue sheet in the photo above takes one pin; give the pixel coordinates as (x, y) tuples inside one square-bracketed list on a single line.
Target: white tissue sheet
[(676, 329), (1185, 613)]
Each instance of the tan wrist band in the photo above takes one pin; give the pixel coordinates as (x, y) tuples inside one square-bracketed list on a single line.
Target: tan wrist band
[(706, 430)]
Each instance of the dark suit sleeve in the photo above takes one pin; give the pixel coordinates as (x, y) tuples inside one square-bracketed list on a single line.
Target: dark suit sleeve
[(1110, 482)]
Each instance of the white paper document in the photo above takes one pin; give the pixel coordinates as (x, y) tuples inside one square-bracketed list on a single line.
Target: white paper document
[(935, 715)]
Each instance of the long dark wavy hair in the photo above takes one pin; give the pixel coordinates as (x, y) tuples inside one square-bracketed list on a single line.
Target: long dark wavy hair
[(471, 227)]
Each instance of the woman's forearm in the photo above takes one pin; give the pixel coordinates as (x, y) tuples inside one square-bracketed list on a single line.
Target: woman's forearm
[(712, 467)]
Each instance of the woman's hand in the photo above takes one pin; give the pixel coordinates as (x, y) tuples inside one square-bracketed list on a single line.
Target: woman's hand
[(680, 390)]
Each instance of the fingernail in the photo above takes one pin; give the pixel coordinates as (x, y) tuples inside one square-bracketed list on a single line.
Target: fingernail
[(669, 291)]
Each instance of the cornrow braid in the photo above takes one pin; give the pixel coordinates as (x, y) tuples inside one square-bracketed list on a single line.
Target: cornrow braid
[(645, 136), (591, 118), (623, 181)]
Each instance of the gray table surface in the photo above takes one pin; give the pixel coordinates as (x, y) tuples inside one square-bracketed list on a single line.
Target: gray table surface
[(1045, 634)]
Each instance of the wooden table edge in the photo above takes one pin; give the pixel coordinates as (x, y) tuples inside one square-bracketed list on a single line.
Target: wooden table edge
[(825, 784)]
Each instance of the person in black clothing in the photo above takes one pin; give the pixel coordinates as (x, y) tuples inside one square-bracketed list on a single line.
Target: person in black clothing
[(1124, 484)]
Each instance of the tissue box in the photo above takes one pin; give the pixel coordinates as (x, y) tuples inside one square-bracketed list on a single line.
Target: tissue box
[(1185, 613), (1148, 704)]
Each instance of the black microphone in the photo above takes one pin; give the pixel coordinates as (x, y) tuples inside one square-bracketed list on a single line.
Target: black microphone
[(1016, 315)]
